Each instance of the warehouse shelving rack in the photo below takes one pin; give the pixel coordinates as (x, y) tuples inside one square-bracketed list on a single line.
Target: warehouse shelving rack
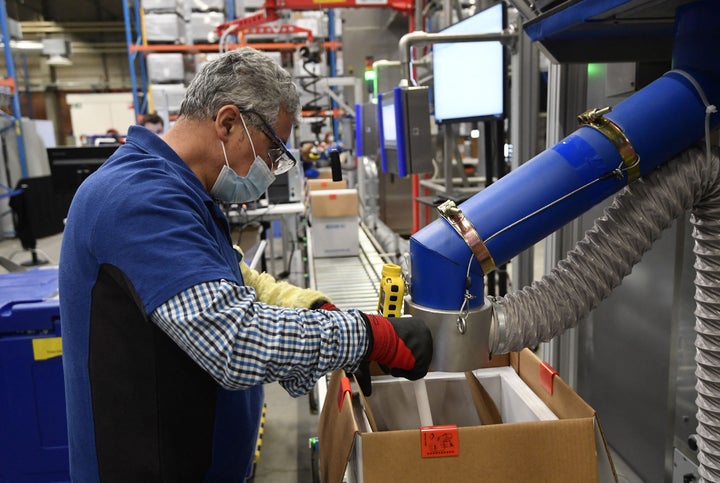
[(138, 47), (9, 85)]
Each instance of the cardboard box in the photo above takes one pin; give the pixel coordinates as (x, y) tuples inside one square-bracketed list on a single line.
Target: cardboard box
[(164, 68), (325, 184), (164, 27), (202, 26), (167, 96), (335, 237), (324, 173), (333, 203), (334, 223), (167, 5), (378, 439)]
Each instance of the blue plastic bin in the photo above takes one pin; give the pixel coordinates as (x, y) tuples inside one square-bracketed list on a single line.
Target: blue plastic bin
[(33, 424)]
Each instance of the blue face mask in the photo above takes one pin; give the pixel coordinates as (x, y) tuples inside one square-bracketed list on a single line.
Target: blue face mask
[(233, 188)]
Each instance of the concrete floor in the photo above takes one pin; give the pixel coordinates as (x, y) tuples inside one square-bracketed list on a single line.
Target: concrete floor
[(285, 455)]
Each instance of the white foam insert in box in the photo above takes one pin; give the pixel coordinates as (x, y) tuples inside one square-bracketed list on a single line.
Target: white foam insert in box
[(393, 401)]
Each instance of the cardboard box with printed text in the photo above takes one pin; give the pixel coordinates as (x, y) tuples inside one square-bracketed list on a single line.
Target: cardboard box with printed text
[(334, 223)]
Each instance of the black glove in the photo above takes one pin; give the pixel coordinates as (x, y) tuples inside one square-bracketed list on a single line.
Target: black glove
[(402, 346)]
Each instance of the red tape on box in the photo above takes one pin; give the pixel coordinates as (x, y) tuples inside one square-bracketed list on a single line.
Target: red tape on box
[(332, 196), (547, 373), (439, 441), (344, 389)]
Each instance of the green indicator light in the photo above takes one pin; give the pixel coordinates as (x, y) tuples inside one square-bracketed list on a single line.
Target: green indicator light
[(594, 70)]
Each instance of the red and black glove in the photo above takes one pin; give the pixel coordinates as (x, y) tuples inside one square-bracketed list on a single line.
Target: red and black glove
[(403, 346)]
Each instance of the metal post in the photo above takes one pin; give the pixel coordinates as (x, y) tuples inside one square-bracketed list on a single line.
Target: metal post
[(131, 56), (332, 55)]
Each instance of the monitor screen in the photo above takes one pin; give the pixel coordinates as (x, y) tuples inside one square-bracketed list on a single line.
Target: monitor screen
[(469, 77), (366, 127), (389, 125), (404, 130), (69, 166)]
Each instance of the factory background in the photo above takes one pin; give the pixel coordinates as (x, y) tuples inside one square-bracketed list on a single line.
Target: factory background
[(86, 70)]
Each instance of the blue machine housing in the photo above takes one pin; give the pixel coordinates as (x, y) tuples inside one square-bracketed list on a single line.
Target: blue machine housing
[(661, 120), (33, 423)]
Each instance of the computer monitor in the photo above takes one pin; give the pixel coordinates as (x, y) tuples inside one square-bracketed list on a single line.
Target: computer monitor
[(404, 130), (69, 166), (469, 78), (366, 126), (387, 129)]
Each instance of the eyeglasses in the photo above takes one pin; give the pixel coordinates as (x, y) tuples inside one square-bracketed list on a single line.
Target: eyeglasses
[(280, 158)]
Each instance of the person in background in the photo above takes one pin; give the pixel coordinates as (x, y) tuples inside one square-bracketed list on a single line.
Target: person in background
[(167, 336), (111, 134), (309, 154), (153, 122)]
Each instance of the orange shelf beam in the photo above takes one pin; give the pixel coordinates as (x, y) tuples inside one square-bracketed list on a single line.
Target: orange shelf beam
[(8, 82), (334, 45)]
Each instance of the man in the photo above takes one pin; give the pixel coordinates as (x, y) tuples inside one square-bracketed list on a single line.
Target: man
[(153, 122), (165, 345)]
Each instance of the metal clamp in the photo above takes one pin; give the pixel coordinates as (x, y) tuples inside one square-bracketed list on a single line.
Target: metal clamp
[(464, 227), (498, 327), (595, 118)]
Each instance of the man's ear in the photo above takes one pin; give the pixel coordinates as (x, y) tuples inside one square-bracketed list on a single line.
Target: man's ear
[(226, 120)]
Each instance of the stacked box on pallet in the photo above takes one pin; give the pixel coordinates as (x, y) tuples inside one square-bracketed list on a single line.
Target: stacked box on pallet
[(167, 96), (159, 5), (207, 5), (164, 27), (317, 23), (244, 7), (165, 68), (202, 26)]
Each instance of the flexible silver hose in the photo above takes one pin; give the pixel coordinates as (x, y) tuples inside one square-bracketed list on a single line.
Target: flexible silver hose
[(706, 232), (607, 253)]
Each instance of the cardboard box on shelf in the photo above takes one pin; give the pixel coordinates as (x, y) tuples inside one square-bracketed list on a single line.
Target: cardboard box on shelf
[(164, 28), (202, 26), (334, 223), (548, 433), (165, 67)]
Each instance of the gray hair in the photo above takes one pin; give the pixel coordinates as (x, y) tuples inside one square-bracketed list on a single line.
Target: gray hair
[(246, 78)]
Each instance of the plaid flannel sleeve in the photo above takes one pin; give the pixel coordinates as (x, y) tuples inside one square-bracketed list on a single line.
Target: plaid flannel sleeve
[(241, 342)]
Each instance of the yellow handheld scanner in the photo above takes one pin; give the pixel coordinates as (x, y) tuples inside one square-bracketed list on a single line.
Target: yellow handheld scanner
[(392, 291)]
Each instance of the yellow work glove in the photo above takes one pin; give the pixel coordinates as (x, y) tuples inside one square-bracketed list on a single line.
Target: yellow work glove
[(283, 294)]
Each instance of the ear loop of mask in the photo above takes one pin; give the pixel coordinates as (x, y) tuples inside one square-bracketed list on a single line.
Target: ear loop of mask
[(222, 145), (252, 145)]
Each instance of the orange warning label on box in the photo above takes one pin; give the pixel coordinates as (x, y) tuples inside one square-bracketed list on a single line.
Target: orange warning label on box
[(439, 441)]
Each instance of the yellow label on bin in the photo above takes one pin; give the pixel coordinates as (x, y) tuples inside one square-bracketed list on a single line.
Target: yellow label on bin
[(47, 348)]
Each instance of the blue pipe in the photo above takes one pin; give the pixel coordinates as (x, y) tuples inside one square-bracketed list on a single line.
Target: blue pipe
[(661, 120), (143, 109), (131, 56)]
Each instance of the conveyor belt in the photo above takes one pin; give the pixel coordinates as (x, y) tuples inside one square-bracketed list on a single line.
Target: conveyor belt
[(351, 282)]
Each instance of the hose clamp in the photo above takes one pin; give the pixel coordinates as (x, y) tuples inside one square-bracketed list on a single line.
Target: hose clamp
[(498, 326), (464, 227), (595, 118)]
